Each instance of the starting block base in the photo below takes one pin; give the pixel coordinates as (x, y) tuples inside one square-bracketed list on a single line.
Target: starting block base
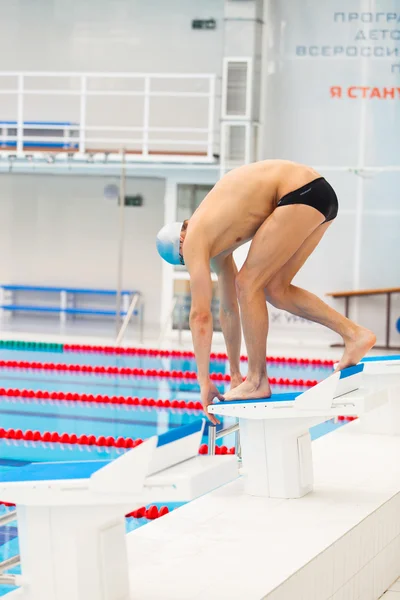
[(277, 457), (275, 438), (70, 553)]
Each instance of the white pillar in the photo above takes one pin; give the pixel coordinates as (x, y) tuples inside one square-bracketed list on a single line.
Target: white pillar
[(277, 457), (241, 82)]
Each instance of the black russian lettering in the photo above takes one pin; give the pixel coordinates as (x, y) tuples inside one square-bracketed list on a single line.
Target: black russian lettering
[(338, 16), (338, 50), (366, 17)]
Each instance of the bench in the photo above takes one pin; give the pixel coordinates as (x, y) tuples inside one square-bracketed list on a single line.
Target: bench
[(33, 131), (359, 293), (67, 304)]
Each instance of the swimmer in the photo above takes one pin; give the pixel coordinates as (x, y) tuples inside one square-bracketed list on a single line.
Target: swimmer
[(284, 208)]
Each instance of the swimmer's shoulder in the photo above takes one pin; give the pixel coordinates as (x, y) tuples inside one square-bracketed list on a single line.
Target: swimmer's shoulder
[(268, 168)]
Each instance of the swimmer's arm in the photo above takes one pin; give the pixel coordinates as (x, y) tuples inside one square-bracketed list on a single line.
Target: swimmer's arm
[(229, 316), (197, 261), (200, 319)]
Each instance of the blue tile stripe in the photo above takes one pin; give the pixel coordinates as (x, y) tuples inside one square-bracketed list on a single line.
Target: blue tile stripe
[(380, 358), (351, 371), (179, 433)]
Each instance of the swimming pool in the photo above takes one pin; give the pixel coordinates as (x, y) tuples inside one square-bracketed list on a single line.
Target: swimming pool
[(105, 415)]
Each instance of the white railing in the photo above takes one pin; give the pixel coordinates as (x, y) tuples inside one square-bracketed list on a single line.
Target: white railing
[(146, 114)]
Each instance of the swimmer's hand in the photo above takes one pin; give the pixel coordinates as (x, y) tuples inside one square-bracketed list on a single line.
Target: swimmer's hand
[(209, 391)]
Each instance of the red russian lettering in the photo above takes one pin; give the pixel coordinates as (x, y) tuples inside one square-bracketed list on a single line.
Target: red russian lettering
[(336, 91), (364, 91), (350, 92), (388, 92), (375, 93)]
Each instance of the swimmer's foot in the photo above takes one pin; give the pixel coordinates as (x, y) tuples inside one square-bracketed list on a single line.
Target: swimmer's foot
[(249, 391), (356, 347)]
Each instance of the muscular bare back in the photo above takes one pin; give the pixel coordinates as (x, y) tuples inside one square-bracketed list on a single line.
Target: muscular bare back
[(241, 201)]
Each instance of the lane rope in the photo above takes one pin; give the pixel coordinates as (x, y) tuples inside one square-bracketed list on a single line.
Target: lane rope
[(129, 372), (59, 348), (151, 513), (188, 354), (87, 440), (100, 399)]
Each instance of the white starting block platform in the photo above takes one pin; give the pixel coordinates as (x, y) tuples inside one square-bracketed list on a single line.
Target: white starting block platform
[(71, 522), (274, 432)]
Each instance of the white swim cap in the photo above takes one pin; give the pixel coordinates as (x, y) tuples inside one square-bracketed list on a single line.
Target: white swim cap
[(168, 240)]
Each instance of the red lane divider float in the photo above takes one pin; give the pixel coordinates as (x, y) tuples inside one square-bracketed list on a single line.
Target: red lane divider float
[(150, 513), (68, 438), (187, 354), (86, 440), (100, 399), (100, 370)]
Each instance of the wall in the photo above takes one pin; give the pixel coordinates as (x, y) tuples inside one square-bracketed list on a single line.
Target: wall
[(109, 35), (308, 52), (60, 230)]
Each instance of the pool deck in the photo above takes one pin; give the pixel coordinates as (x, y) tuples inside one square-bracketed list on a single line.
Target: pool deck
[(341, 542)]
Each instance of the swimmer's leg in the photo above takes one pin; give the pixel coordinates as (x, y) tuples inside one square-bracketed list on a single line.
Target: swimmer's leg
[(275, 242), (283, 295)]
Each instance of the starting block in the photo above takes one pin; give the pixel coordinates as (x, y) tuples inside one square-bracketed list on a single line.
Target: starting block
[(383, 372), (71, 522), (274, 432)]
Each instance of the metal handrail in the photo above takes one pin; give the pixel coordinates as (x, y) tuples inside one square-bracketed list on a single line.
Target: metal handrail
[(213, 436), (227, 431), (9, 563), (127, 318), (8, 518)]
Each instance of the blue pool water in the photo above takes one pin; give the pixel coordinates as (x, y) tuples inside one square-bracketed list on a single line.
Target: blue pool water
[(101, 419)]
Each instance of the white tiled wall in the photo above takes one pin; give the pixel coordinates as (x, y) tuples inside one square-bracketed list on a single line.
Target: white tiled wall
[(361, 565)]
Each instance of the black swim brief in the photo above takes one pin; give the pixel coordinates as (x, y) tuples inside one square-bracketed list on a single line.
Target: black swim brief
[(319, 194)]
